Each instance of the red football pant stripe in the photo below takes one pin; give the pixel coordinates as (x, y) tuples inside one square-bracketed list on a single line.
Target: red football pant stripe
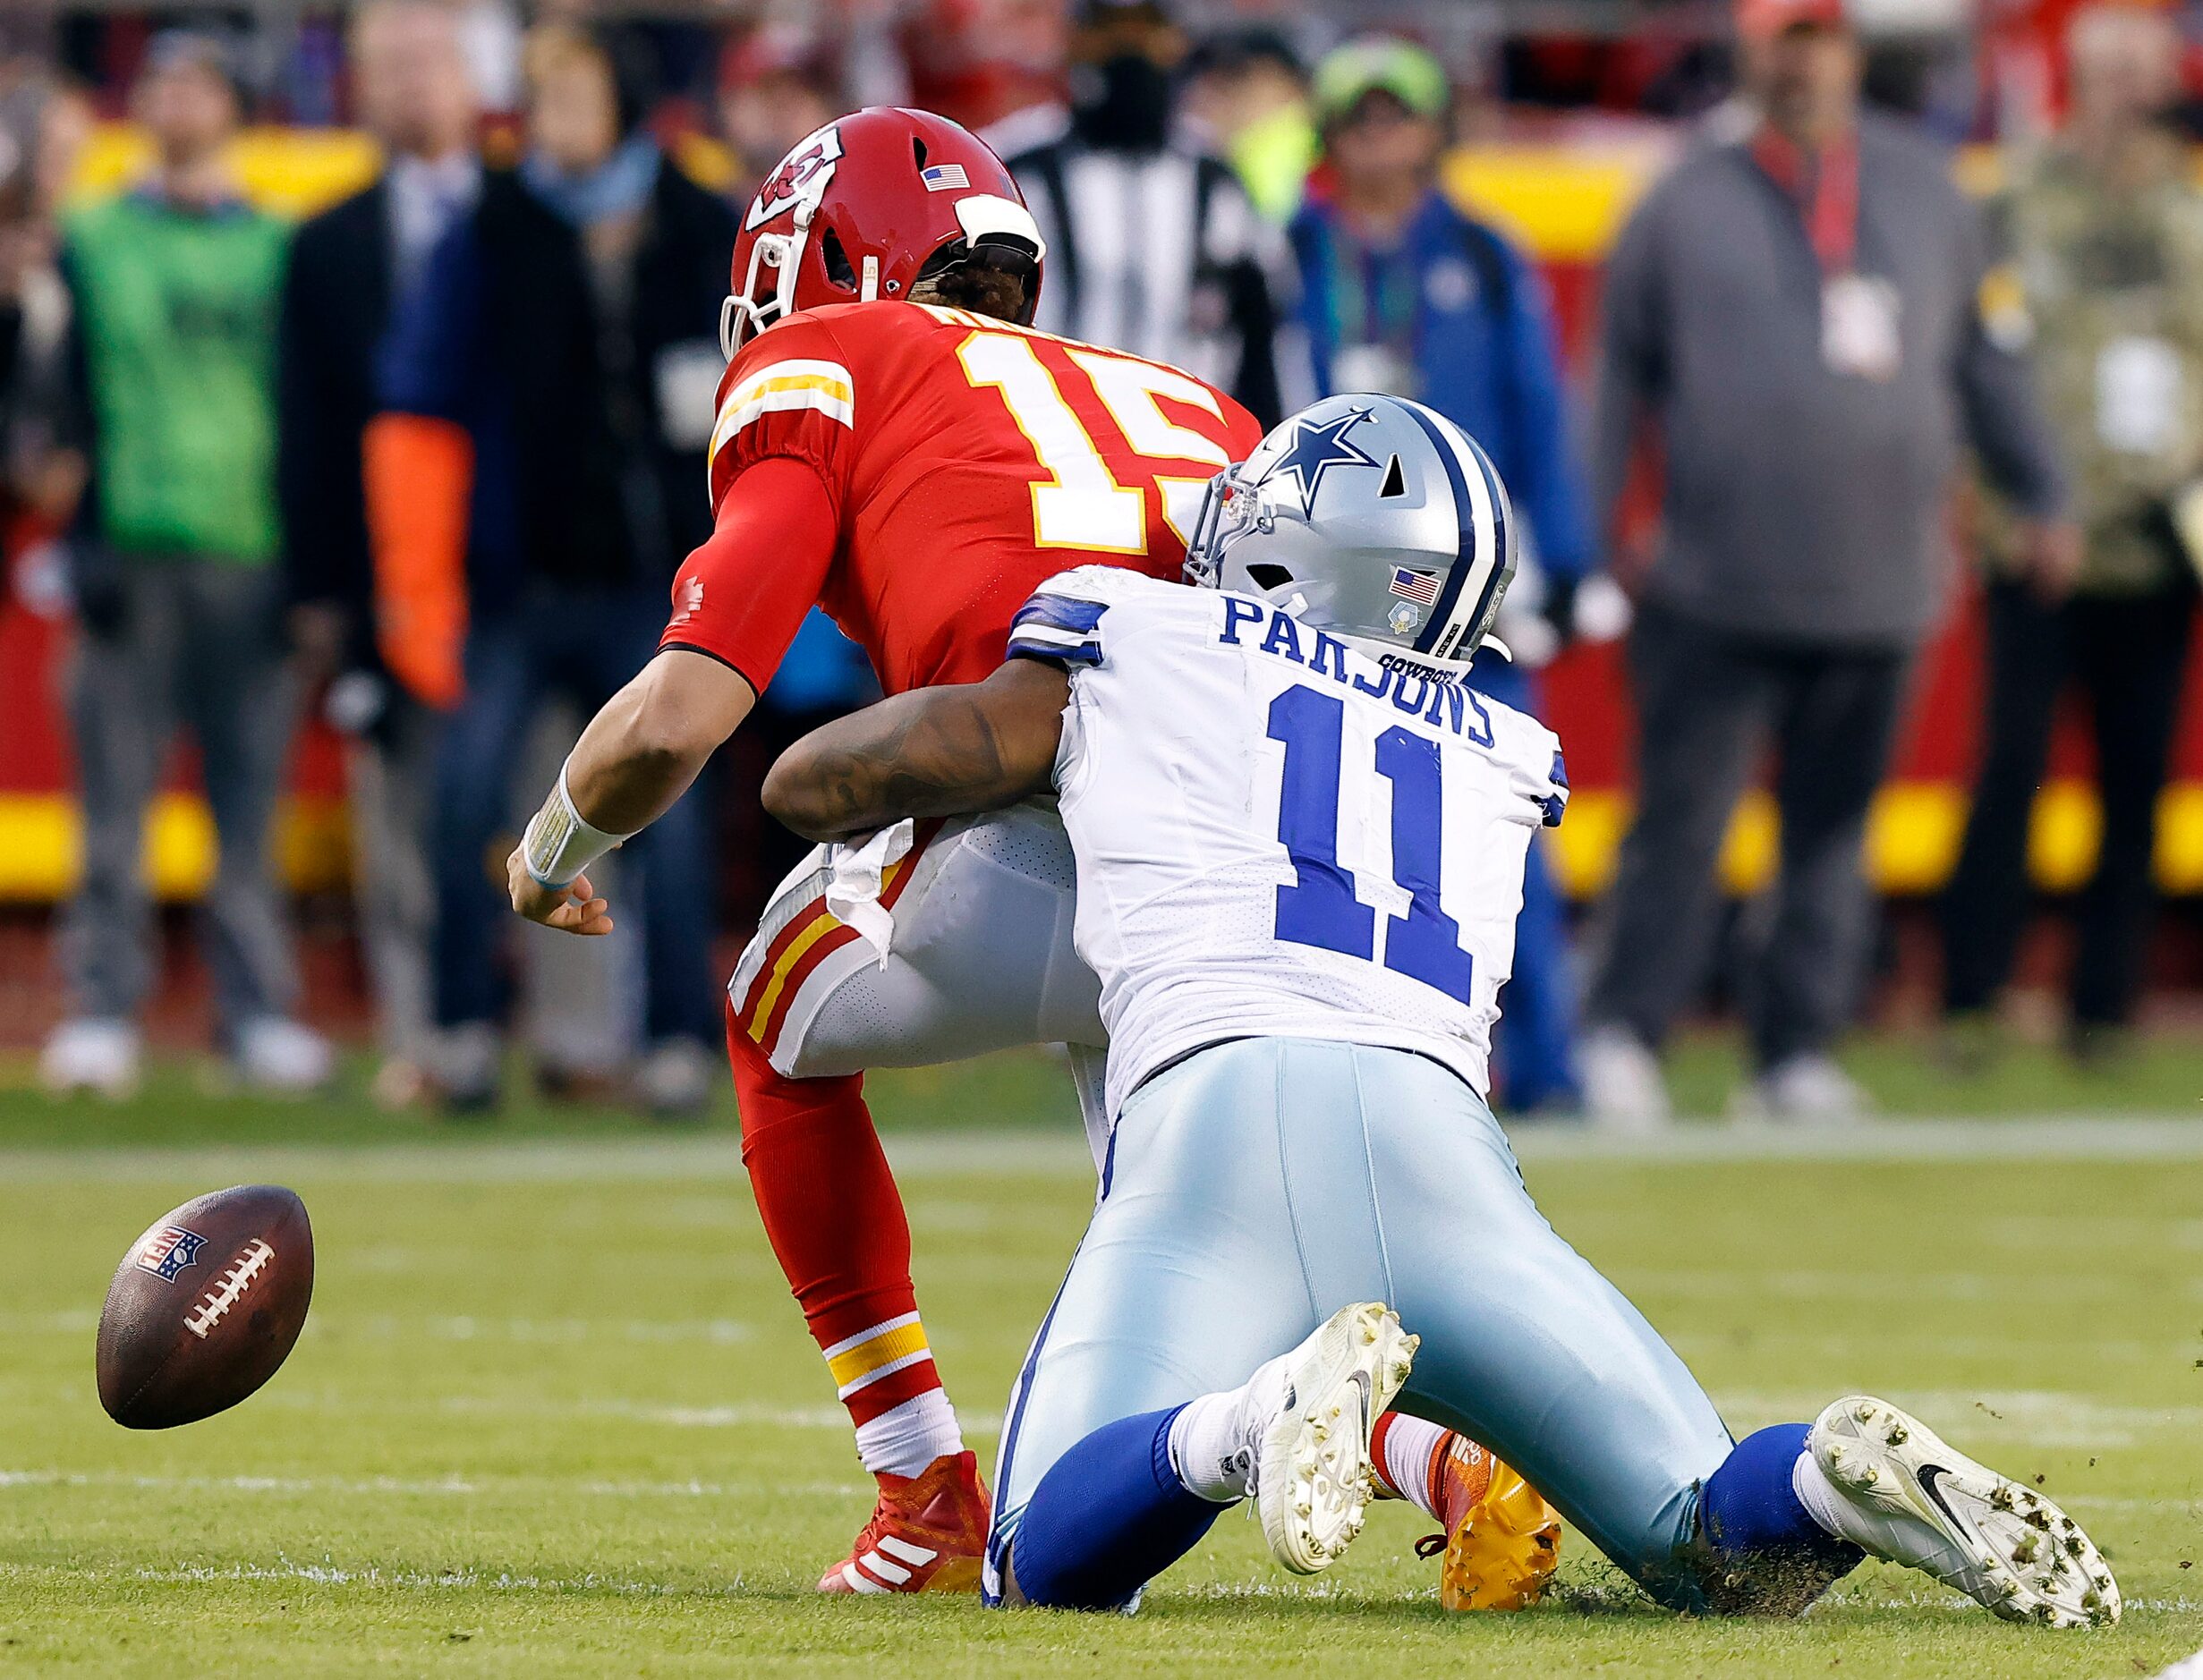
[(830, 1209), (767, 1030)]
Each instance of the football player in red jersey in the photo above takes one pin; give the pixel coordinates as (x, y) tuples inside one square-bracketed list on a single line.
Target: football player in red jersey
[(895, 444)]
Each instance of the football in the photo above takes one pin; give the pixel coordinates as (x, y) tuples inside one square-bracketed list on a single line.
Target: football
[(205, 1306)]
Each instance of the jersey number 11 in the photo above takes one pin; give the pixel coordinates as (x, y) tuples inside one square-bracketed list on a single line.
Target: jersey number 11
[(1319, 907)]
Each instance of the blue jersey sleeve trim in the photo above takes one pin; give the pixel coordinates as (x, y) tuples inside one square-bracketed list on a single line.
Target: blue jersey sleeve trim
[(1061, 612), (1052, 653), (1555, 804), (1059, 629)]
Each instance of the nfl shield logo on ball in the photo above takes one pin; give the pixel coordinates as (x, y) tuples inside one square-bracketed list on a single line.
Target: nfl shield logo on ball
[(168, 1250)]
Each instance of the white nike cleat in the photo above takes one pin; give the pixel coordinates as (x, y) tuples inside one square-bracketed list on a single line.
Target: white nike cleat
[(1313, 1474), (1904, 1494), (282, 1058)]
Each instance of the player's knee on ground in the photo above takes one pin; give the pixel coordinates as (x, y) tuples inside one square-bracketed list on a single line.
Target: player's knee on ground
[(1758, 1552), (1107, 1518)]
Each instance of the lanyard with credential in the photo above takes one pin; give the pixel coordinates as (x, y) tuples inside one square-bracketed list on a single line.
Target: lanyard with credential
[(1825, 187), (1860, 334), (1372, 296)]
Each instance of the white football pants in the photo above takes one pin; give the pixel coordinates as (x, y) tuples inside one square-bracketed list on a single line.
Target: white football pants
[(981, 959)]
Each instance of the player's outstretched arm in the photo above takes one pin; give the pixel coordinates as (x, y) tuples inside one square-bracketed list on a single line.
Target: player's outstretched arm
[(638, 755), (931, 752)]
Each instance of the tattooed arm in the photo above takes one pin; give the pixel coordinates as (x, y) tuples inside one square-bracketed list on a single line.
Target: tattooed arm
[(931, 752)]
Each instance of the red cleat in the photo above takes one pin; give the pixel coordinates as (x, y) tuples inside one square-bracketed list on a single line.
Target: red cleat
[(1502, 1541), (928, 1534)]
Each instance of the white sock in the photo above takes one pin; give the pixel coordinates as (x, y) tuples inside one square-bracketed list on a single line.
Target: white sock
[(1209, 1450), (1823, 1503), (1898, 1536), (904, 1441), (1409, 1445)]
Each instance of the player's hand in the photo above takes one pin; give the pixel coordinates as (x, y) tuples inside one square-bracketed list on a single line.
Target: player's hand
[(574, 908)]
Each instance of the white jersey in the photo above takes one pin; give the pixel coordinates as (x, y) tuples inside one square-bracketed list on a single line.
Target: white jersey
[(1280, 835)]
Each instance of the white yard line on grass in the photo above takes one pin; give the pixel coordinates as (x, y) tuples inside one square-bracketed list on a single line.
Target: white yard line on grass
[(385, 1326), (1048, 1154), (2036, 1417)]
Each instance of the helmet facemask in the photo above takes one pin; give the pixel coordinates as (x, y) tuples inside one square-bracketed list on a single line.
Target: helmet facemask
[(744, 314), (1233, 506), (795, 190)]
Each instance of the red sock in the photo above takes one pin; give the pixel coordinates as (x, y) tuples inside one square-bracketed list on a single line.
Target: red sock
[(836, 1221), (1409, 1455)]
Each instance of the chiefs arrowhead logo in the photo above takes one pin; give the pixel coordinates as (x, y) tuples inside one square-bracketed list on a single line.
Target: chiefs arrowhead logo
[(801, 179)]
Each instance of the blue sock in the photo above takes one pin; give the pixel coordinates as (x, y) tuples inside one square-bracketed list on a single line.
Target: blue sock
[(1769, 1551), (1109, 1517)]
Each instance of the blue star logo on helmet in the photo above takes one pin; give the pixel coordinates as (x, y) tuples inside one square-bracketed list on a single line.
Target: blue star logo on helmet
[(1318, 447)]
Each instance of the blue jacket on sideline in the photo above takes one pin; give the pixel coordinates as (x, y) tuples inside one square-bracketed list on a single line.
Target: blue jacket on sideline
[(1470, 316)]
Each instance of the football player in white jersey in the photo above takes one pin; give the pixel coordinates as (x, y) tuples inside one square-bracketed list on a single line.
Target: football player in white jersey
[(1299, 835)]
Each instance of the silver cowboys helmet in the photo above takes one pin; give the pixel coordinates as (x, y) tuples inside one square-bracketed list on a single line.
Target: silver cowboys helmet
[(1371, 517)]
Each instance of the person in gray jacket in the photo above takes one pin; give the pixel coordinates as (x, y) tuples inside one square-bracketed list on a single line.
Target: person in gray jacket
[(1795, 308)]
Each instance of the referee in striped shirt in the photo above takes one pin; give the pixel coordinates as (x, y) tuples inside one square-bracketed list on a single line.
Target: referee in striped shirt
[(1153, 246)]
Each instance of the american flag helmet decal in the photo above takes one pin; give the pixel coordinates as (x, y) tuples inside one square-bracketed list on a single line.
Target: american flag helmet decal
[(1419, 587)]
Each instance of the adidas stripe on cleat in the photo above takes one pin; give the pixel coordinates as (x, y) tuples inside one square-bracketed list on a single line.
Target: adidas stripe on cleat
[(891, 1566), (927, 1534)]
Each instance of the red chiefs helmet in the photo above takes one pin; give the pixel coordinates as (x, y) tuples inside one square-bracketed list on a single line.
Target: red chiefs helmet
[(867, 207)]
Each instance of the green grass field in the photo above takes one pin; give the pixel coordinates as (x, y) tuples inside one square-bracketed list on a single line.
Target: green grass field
[(555, 1415), (2163, 1075)]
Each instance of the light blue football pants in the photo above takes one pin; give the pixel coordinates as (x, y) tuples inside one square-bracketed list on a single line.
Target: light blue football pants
[(1257, 1187)]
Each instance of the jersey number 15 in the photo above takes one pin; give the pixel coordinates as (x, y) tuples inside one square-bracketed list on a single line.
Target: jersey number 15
[(1083, 506), (1320, 908)]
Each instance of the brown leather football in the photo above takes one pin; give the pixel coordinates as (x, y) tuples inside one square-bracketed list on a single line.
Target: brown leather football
[(205, 1307)]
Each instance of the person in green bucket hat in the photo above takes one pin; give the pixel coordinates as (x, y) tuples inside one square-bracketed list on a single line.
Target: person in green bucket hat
[(1405, 294)]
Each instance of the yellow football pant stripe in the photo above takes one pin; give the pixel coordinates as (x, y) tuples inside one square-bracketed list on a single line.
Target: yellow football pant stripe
[(778, 979), (789, 958)]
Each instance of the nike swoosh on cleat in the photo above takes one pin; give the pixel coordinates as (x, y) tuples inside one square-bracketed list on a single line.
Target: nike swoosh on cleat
[(1360, 1380), (1927, 1475)]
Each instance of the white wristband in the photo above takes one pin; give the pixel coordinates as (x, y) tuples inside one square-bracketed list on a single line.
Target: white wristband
[(559, 845)]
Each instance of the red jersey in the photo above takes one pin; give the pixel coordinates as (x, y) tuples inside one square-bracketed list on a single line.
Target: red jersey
[(918, 471)]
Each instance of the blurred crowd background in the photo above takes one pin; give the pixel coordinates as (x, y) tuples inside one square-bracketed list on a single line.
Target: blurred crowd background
[(1844, 360)]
